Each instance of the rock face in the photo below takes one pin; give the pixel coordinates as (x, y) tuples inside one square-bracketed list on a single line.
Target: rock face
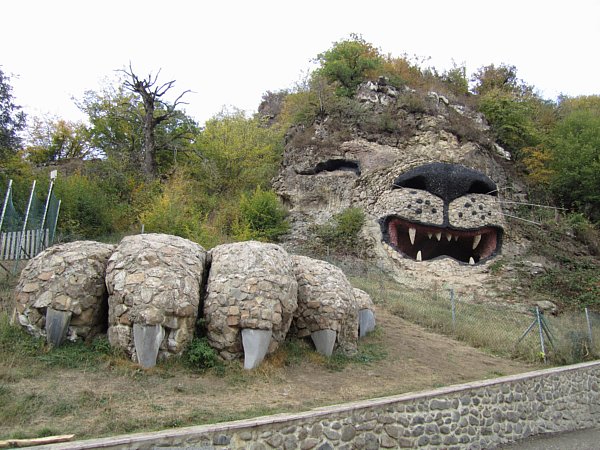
[(422, 168), (66, 283), (154, 282), (252, 286), (326, 301)]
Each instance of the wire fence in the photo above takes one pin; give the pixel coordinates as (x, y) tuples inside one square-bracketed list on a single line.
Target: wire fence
[(504, 330), (26, 232)]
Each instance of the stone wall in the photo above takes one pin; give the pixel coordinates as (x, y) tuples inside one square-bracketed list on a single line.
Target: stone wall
[(476, 415)]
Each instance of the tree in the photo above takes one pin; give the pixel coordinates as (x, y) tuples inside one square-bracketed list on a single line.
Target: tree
[(155, 111), (349, 63), (52, 139), (575, 155), (12, 119), (492, 78)]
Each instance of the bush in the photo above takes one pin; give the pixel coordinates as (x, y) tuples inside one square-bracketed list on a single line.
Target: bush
[(341, 234), (261, 217), (200, 355)]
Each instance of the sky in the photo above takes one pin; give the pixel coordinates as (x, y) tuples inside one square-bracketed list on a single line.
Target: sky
[(230, 52)]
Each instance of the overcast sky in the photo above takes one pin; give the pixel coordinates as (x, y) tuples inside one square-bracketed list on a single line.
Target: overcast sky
[(230, 52)]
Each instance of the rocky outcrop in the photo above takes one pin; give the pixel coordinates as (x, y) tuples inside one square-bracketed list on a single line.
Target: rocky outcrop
[(61, 292), (425, 171), (154, 282), (327, 309), (251, 286)]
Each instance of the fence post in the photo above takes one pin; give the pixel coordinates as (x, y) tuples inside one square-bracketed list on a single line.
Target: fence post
[(589, 324), (453, 307), (539, 321)]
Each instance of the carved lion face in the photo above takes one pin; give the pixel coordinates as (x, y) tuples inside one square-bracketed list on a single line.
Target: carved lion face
[(441, 210)]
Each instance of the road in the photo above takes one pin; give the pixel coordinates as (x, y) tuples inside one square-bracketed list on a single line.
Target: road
[(574, 440)]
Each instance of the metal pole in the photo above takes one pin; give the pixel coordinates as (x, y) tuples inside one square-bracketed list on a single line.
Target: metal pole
[(589, 324), (20, 246), (453, 305), (6, 197), (55, 223), (41, 244), (539, 321)]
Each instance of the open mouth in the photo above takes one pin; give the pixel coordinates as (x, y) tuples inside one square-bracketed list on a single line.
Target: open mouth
[(426, 242)]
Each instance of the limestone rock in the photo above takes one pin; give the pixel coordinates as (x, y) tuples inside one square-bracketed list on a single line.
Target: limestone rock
[(154, 280), (326, 301), (251, 285), (69, 278)]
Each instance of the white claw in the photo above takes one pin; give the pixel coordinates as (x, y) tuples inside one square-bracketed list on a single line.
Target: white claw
[(429, 235), (448, 237), (476, 240), (438, 235), (419, 257), (412, 232), (471, 261)]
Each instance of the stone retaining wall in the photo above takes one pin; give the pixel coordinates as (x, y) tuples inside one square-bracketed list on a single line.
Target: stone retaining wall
[(476, 415)]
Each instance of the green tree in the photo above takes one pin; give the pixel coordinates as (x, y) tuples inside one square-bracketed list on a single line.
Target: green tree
[(262, 216), (348, 63), (235, 154), (53, 139), (12, 119), (496, 78), (575, 155)]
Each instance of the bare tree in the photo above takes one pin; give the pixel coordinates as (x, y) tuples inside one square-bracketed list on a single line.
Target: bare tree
[(156, 110)]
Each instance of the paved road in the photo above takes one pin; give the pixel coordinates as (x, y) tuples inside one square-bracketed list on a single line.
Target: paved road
[(574, 440)]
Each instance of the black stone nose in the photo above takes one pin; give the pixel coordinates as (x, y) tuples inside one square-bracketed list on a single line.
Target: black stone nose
[(447, 181)]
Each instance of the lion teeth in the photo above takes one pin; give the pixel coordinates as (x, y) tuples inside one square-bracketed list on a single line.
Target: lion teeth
[(456, 238), (438, 235), (448, 237), (471, 261), (476, 241), (429, 235), (419, 256), (412, 232)]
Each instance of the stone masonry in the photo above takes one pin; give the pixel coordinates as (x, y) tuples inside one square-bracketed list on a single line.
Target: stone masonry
[(325, 302), (474, 416), (154, 279), (68, 278), (251, 285)]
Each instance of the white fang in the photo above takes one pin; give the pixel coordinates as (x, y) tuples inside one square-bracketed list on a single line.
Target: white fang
[(448, 237), (471, 261), (419, 257), (412, 232), (438, 235), (476, 240)]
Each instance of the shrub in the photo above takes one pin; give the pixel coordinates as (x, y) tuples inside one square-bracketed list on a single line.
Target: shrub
[(261, 216), (341, 233), (200, 355)]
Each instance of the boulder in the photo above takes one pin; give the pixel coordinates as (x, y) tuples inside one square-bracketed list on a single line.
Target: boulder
[(63, 288), (154, 283)]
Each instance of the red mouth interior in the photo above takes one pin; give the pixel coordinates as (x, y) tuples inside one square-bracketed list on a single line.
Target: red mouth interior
[(429, 242)]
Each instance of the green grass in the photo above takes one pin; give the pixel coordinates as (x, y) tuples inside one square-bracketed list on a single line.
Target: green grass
[(496, 329)]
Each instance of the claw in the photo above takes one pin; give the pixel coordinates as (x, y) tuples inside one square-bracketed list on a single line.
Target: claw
[(256, 344), (324, 341), (147, 340)]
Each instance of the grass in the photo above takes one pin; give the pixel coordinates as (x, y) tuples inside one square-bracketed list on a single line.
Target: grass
[(497, 329)]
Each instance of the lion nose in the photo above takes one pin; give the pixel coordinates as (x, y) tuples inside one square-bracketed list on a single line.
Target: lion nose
[(447, 181)]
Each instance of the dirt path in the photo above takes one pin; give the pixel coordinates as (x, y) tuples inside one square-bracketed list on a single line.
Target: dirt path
[(115, 400)]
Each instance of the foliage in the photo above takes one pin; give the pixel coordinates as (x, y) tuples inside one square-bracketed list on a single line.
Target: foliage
[(235, 153), (341, 234), (200, 355), (12, 119), (510, 119), (87, 210), (56, 139), (348, 63), (496, 78), (575, 155), (262, 216)]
